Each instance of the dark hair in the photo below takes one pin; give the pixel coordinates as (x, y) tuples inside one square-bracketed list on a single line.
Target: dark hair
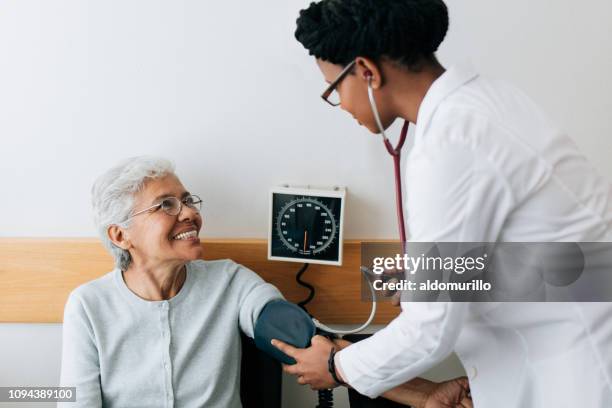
[(406, 31)]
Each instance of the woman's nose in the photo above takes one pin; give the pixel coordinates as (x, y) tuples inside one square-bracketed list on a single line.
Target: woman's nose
[(188, 213)]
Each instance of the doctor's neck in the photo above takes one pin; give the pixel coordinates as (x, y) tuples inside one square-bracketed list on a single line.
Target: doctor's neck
[(408, 87)]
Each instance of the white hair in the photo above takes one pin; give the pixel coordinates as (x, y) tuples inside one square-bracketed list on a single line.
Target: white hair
[(112, 197)]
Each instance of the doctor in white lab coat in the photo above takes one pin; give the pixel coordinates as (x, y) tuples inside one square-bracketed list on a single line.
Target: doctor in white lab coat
[(487, 165)]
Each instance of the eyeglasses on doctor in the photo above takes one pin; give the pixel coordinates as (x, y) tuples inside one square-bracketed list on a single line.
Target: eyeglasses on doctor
[(173, 206), (331, 95)]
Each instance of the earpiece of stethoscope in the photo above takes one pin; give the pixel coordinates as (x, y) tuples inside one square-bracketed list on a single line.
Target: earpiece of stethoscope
[(392, 150), (373, 106), (395, 152)]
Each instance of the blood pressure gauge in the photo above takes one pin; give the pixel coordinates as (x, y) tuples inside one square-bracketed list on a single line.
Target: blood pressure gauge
[(306, 225)]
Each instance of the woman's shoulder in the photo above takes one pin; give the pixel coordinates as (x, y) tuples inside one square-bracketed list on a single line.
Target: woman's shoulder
[(94, 289), (230, 277), (220, 269), (215, 267)]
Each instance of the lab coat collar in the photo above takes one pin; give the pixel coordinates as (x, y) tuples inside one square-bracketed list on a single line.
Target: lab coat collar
[(454, 78)]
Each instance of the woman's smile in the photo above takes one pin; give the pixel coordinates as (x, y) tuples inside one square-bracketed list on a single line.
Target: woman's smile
[(186, 234)]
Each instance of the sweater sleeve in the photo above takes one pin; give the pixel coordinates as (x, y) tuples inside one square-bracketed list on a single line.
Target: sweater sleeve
[(253, 294), (80, 361)]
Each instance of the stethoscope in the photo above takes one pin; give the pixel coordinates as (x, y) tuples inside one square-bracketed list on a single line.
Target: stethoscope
[(395, 152)]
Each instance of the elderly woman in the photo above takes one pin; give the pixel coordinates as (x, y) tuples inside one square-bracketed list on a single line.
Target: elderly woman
[(161, 329)]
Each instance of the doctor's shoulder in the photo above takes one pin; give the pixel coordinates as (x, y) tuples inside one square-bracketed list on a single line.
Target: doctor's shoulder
[(485, 113)]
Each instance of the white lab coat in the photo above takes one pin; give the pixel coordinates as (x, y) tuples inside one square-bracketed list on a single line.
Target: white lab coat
[(487, 165)]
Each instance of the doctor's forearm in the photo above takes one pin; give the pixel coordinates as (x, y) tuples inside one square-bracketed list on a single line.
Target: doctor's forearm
[(414, 392)]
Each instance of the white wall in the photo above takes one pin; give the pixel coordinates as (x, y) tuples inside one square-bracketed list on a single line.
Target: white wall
[(558, 51), (224, 90)]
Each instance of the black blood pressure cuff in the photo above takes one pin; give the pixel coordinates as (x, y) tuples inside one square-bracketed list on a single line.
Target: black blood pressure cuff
[(283, 321)]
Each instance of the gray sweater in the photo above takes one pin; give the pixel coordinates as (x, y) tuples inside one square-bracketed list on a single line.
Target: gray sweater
[(122, 351)]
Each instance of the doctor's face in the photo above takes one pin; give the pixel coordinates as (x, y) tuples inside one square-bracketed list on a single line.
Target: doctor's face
[(353, 93)]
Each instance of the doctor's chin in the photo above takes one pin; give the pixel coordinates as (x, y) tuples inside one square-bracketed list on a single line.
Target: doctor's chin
[(305, 204)]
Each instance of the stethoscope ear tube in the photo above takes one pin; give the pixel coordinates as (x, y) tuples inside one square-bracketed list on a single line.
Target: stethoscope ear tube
[(375, 109), (395, 152)]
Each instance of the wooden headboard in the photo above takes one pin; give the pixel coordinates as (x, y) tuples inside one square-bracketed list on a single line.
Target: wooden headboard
[(36, 276)]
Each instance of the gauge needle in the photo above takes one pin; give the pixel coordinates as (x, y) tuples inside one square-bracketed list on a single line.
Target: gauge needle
[(305, 239)]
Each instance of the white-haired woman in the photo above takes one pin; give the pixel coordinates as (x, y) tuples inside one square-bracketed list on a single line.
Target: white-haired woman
[(161, 329)]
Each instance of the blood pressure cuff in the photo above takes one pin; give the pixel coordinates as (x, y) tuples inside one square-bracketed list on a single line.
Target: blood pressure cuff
[(283, 321)]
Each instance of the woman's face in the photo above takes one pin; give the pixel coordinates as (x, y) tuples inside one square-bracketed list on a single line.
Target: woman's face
[(353, 93), (158, 238)]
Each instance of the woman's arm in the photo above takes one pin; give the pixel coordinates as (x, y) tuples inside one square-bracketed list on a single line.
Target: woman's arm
[(80, 362), (253, 294)]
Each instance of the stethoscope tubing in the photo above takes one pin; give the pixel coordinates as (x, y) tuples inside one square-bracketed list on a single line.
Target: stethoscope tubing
[(395, 152)]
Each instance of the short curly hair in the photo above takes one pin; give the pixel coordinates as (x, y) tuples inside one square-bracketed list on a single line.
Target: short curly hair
[(405, 31)]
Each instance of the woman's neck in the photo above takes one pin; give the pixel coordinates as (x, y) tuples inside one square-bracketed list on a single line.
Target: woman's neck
[(161, 282)]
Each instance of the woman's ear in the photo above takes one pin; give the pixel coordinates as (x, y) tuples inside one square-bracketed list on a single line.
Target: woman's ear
[(118, 236), (366, 69)]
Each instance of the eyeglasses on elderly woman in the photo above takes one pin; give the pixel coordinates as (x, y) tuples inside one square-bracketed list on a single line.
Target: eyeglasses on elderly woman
[(173, 205)]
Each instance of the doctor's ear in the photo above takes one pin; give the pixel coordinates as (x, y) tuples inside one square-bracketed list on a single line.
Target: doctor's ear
[(118, 236), (366, 69)]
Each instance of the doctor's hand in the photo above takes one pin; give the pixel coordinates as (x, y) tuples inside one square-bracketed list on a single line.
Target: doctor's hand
[(311, 362)]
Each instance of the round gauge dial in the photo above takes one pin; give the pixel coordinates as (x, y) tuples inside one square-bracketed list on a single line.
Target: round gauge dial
[(306, 226)]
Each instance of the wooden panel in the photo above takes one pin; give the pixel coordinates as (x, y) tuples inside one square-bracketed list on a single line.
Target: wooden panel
[(36, 276)]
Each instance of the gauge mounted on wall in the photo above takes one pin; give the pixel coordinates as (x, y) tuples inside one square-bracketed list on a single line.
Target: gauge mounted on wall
[(306, 225)]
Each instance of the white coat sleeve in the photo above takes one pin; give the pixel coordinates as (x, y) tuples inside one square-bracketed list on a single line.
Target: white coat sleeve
[(453, 194), (80, 360)]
